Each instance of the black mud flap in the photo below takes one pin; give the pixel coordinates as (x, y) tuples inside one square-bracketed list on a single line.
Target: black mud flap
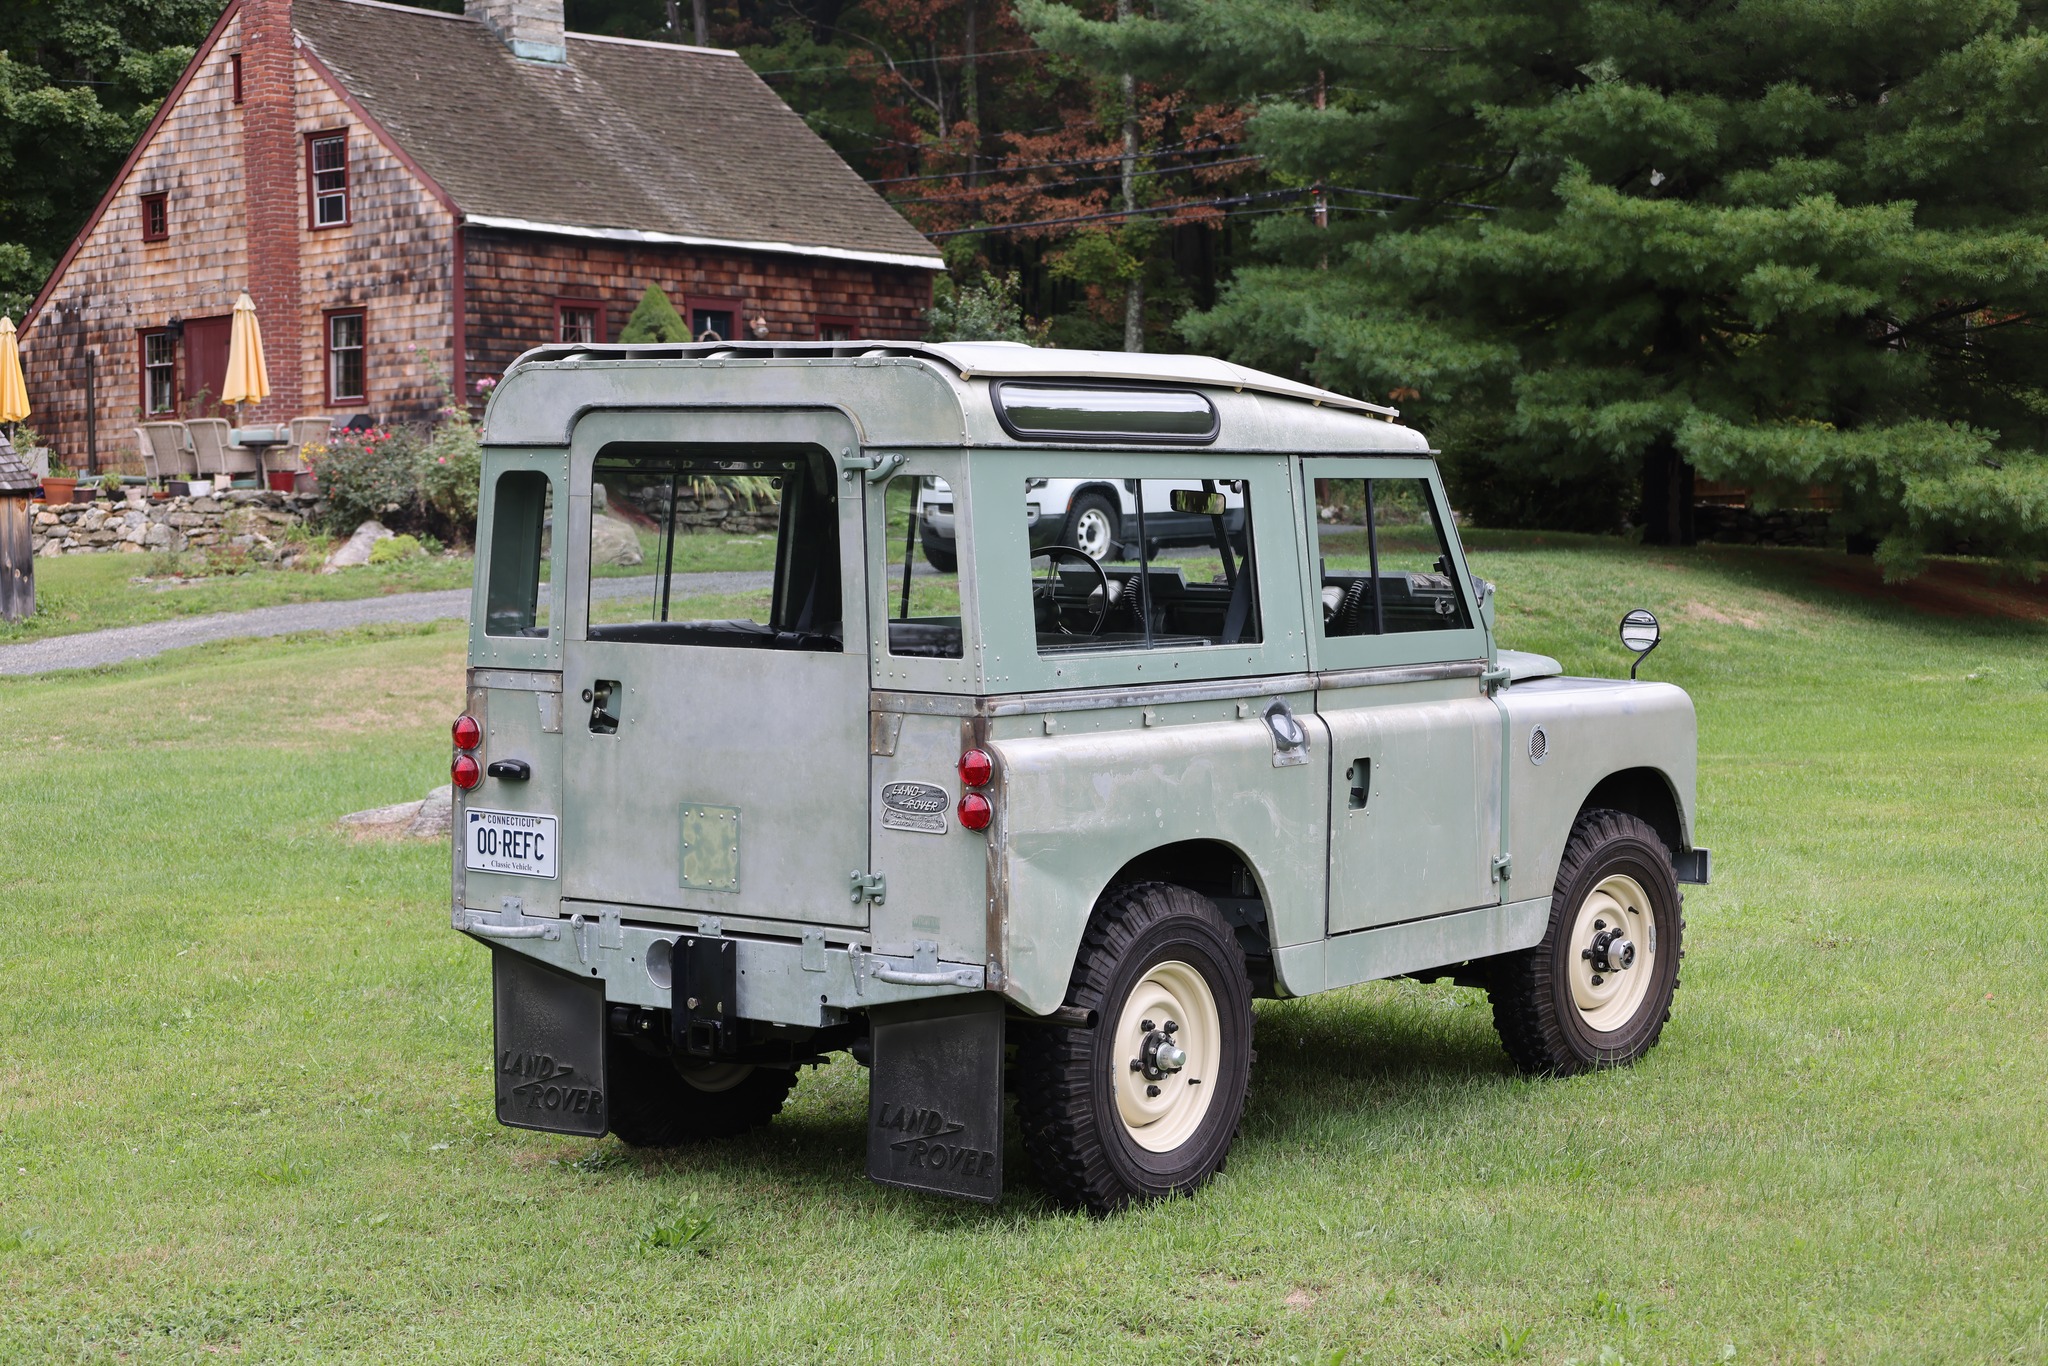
[(935, 1097), (550, 1047)]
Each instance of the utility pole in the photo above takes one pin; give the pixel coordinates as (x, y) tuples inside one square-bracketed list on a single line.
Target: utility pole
[(1134, 293), (970, 94)]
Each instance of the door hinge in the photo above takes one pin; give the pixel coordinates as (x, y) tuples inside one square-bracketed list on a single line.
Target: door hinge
[(1493, 678), (867, 887), (875, 467), (1502, 867)]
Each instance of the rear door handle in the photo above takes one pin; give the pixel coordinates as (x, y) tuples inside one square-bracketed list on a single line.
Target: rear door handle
[(511, 770)]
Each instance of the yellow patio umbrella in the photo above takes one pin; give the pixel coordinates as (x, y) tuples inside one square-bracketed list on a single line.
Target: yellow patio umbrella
[(13, 390), (248, 379)]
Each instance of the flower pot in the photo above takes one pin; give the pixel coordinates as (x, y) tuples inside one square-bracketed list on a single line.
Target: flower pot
[(85, 494), (281, 481), (58, 490)]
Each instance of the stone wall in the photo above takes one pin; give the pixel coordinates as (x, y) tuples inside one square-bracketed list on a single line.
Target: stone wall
[(256, 522)]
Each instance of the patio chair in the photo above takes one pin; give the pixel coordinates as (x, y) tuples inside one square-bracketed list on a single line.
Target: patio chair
[(305, 431), (166, 450), (215, 456)]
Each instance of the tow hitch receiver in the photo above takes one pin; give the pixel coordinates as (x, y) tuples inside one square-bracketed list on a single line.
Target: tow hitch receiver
[(550, 1047), (935, 1097), (707, 993)]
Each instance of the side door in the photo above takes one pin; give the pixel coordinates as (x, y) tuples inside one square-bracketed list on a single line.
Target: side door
[(715, 685), (1415, 739)]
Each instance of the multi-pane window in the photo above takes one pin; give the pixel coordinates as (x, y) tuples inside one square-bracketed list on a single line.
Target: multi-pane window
[(712, 324), (1141, 564), (159, 373), (836, 329), (156, 217), (327, 178), (1386, 562), (578, 322), (346, 381)]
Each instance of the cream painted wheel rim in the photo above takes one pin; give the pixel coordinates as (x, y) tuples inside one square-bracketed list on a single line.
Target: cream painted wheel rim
[(1169, 993), (1092, 532), (1614, 913)]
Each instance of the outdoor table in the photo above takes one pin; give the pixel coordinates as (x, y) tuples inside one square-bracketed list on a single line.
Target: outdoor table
[(261, 440)]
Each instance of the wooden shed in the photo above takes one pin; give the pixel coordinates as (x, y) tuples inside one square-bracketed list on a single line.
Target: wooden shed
[(18, 485)]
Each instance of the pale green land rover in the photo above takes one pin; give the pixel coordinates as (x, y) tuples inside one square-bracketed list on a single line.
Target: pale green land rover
[(1046, 822)]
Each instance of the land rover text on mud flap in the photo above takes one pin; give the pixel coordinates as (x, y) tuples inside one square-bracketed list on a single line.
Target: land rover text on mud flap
[(1026, 803)]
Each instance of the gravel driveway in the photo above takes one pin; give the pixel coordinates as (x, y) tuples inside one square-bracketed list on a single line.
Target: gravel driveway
[(90, 649)]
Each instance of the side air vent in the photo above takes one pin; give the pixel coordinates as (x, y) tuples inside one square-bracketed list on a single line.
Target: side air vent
[(1539, 745)]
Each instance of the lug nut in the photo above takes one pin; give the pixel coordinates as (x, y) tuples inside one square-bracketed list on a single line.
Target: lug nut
[(1151, 1091), (1145, 1025), (1171, 1026)]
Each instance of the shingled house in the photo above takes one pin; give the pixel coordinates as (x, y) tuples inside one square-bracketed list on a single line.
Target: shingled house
[(413, 198)]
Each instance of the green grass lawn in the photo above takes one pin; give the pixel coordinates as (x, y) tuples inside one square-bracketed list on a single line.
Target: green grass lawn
[(247, 1105), (91, 592)]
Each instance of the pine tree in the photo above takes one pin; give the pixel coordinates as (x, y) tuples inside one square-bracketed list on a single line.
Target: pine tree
[(1777, 243), (654, 319)]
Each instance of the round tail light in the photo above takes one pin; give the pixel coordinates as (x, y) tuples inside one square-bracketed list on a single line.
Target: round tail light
[(976, 768), (975, 812), (468, 734), (466, 773)]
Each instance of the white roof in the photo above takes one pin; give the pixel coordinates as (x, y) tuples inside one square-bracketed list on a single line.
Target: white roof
[(1014, 360)]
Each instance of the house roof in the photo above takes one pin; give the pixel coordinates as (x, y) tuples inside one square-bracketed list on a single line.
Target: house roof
[(649, 142), (17, 480)]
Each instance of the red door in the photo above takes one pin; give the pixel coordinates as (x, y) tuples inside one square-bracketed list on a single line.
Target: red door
[(206, 364)]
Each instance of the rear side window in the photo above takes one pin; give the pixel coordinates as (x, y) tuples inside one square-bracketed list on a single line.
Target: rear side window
[(1386, 561), (727, 546), (1147, 564), (522, 508)]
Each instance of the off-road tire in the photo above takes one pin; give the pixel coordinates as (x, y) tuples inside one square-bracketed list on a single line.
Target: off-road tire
[(1075, 514), (1543, 1026), (945, 561), (655, 1103), (1067, 1079)]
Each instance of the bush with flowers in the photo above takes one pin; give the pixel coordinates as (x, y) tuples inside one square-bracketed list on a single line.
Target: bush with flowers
[(412, 479)]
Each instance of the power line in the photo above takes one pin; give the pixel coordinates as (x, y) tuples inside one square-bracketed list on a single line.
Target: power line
[(907, 61), (1165, 149), (1073, 180), (1121, 213)]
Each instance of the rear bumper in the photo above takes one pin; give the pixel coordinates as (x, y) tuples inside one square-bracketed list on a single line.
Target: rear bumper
[(804, 983)]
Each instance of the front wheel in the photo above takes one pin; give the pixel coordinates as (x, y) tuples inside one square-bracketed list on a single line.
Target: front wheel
[(1092, 525), (1145, 1103), (656, 1102), (1597, 990)]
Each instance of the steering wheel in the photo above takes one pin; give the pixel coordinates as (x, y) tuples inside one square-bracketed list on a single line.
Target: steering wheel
[(1047, 592)]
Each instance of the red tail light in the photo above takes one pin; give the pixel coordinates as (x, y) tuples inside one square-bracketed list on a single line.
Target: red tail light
[(976, 768), (465, 772), (468, 734), (975, 812)]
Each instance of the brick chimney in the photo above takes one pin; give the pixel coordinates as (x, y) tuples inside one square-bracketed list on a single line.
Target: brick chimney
[(531, 28), (276, 201)]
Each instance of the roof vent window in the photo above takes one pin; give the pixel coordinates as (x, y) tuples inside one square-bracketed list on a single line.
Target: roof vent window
[(1070, 412)]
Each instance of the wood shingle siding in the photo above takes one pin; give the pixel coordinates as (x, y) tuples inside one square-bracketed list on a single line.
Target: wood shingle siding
[(483, 188)]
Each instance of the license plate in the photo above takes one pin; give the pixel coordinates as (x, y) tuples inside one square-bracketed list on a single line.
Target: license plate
[(513, 842)]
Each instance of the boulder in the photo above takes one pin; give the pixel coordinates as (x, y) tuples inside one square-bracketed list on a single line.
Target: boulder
[(612, 541), (435, 815), (356, 549)]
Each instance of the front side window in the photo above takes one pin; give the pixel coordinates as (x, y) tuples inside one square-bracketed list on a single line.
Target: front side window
[(347, 381), (327, 178), (670, 525), (1149, 564), (521, 513), (1386, 562), (159, 373)]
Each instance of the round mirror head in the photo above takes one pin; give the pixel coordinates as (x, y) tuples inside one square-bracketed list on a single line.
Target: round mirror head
[(1638, 631)]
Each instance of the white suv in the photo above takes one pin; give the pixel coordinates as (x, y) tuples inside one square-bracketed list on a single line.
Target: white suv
[(1098, 517)]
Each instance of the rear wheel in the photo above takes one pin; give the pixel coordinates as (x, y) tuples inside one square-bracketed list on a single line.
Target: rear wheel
[(658, 1102), (1597, 990), (1147, 1102), (945, 559)]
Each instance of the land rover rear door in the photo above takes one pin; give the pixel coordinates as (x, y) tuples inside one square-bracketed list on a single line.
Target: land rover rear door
[(716, 684)]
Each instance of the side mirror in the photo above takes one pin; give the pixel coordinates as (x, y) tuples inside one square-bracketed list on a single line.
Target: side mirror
[(1639, 633), (1196, 502), (1484, 588)]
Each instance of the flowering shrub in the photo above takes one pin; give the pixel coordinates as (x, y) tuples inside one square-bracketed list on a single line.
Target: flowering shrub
[(452, 467), (411, 480)]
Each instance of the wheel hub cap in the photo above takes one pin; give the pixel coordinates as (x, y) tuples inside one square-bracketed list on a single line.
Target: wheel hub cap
[(1164, 1056), (1613, 953)]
